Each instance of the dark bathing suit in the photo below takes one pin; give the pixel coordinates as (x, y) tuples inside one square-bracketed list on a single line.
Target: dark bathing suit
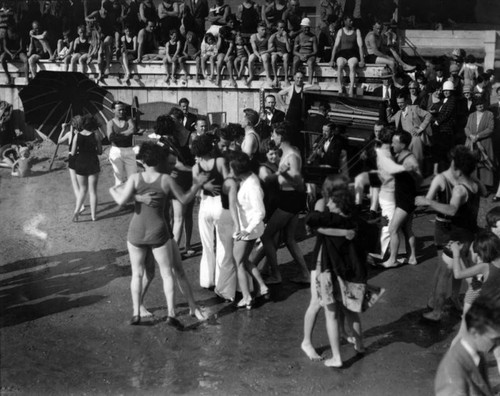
[(148, 226), (86, 161)]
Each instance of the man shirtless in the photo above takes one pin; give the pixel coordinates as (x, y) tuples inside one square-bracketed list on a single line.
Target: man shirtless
[(260, 51), (279, 43), (375, 54)]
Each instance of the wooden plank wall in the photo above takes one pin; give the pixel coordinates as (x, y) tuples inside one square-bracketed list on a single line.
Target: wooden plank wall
[(203, 101)]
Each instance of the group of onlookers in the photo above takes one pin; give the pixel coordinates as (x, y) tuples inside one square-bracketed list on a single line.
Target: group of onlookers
[(276, 34)]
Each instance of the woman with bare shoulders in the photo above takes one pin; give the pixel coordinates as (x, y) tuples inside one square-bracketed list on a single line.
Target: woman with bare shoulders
[(85, 148), (68, 135), (148, 229)]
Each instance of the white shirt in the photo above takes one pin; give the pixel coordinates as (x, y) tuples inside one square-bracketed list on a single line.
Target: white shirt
[(251, 209), (386, 93), (479, 116), (327, 144)]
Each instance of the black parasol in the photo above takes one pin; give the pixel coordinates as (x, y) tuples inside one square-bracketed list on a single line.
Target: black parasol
[(52, 98)]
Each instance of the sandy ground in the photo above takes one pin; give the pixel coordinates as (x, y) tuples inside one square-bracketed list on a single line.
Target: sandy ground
[(65, 304)]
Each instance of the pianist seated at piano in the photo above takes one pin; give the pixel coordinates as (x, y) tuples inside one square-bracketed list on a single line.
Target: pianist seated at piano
[(330, 149)]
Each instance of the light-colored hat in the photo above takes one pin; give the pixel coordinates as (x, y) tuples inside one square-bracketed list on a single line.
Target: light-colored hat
[(467, 88), (448, 86), (305, 22), (454, 69)]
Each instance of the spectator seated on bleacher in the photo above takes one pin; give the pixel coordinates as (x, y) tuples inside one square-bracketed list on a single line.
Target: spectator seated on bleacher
[(305, 49)]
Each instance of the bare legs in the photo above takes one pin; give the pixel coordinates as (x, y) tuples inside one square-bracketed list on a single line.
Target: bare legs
[(126, 67), (332, 329), (341, 64), (266, 62), (137, 261), (274, 63), (87, 183), (281, 220), (174, 257), (183, 218), (310, 321), (241, 251), (239, 66), (401, 220)]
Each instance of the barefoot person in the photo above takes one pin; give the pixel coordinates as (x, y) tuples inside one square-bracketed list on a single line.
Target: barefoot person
[(374, 53), (86, 147), (68, 136), (407, 178), (348, 51), (251, 212), (331, 183), (340, 274), (292, 200), (148, 229), (462, 211), (154, 200)]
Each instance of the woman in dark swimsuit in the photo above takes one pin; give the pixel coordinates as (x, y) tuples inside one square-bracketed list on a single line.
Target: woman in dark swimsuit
[(85, 148), (149, 231), (69, 136), (129, 51)]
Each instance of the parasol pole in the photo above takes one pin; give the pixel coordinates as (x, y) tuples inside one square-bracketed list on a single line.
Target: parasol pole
[(57, 146), (53, 157)]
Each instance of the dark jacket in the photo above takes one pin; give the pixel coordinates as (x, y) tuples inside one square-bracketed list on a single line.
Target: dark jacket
[(333, 155), (191, 121), (340, 256), (394, 92), (446, 117), (264, 128)]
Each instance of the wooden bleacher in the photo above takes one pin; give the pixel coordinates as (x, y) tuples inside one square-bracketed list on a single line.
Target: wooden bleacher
[(151, 74)]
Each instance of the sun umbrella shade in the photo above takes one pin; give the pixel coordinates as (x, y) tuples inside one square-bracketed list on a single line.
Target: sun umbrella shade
[(52, 98)]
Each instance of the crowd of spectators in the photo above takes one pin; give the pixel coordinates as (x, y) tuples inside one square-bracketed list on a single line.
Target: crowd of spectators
[(213, 35)]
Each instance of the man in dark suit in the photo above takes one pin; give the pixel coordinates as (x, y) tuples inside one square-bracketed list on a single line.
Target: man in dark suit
[(331, 148), (189, 119), (438, 80), (195, 13), (270, 116), (389, 91), (463, 370)]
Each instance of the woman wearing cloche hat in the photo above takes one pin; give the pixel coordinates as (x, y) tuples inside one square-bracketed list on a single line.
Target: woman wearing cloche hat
[(443, 129)]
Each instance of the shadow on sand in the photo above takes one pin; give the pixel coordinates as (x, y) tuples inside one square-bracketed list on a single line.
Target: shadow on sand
[(37, 287)]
